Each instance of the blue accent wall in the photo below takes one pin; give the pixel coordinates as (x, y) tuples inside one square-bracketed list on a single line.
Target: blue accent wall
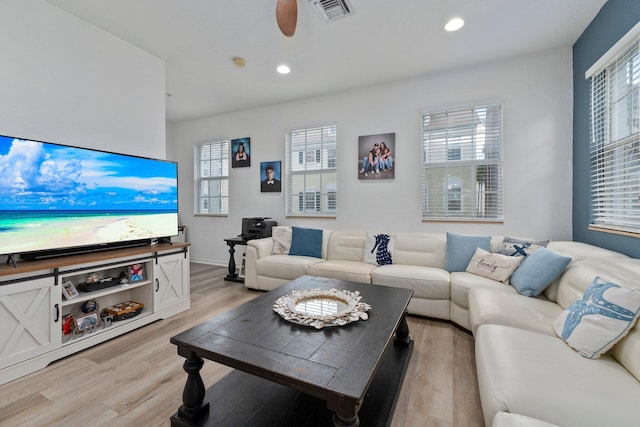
[(613, 21)]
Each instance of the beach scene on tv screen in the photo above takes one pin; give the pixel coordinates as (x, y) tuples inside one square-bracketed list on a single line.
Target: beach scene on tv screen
[(55, 196)]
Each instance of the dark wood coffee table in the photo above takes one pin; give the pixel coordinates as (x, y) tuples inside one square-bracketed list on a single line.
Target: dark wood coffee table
[(292, 375)]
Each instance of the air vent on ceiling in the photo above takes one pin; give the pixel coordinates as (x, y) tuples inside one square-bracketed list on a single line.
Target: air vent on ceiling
[(330, 10)]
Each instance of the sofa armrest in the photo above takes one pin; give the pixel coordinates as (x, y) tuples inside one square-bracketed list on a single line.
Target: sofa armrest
[(262, 246)]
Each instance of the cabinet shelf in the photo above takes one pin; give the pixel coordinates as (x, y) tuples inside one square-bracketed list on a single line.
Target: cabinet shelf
[(115, 325), (86, 296)]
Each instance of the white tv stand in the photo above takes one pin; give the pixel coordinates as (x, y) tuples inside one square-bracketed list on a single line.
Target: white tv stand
[(32, 305)]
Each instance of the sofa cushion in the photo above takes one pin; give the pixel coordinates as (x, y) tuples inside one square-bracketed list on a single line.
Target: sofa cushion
[(541, 377), (461, 248), (461, 282), (493, 307), (306, 242), (506, 419), (520, 247), (378, 248), (538, 271), (353, 271), (284, 266), (494, 266), (426, 282), (281, 235), (601, 318)]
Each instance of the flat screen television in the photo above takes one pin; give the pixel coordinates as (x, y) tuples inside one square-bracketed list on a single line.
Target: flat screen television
[(57, 199)]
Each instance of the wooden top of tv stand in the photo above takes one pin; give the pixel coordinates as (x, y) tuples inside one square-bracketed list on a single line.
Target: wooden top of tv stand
[(70, 260)]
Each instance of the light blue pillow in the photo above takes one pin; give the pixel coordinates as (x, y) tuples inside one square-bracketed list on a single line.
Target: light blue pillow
[(460, 250), (538, 271), (306, 242)]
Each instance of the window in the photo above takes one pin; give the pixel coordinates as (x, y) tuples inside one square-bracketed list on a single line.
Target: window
[(311, 173), (211, 178), (462, 162), (615, 137)]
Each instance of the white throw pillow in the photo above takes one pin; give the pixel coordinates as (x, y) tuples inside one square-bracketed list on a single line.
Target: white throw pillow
[(494, 266), (378, 248), (281, 236), (595, 323)]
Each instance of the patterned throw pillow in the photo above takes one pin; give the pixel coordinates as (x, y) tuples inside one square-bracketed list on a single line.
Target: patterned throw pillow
[(604, 315), (281, 236), (518, 247), (378, 248), (494, 266)]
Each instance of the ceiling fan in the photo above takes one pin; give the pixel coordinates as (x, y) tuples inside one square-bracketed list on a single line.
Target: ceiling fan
[(287, 16)]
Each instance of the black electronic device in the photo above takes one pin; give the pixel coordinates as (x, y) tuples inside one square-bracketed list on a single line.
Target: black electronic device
[(257, 227)]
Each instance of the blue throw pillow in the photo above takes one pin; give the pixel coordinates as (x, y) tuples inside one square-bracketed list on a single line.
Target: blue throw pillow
[(460, 250), (306, 242), (538, 271)]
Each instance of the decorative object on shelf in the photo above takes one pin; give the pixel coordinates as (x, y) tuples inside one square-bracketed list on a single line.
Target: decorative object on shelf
[(93, 278), (322, 307), (69, 291), (124, 310), (376, 154), (240, 152), (136, 273), (87, 323), (67, 324), (89, 306)]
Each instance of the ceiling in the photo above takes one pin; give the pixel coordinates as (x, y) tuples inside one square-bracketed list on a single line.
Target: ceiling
[(382, 41)]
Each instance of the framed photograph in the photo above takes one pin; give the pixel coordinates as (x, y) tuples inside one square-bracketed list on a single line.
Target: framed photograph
[(88, 322), (270, 177), (136, 272), (376, 156), (69, 291), (240, 152)]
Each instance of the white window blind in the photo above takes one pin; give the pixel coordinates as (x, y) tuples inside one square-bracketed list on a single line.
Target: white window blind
[(615, 141), (462, 162), (311, 171), (211, 178)]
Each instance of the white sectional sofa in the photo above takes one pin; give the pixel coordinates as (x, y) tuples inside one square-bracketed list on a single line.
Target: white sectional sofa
[(527, 375)]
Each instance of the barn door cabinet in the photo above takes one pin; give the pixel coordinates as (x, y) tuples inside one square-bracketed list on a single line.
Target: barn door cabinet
[(33, 308)]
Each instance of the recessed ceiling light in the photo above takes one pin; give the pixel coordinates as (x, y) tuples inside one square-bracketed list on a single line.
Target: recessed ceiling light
[(283, 69), (454, 24)]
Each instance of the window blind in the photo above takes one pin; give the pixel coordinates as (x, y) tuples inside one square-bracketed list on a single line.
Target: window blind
[(615, 141), (211, 178), (311, 171), (462, 162)]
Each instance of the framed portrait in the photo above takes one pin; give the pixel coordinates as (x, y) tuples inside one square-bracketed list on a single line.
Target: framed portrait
[(240, 152), (88, 322), (270, 177), (69, 291), (376, 156)]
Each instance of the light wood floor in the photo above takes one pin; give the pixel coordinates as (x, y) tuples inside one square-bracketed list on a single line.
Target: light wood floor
[(137, 379)]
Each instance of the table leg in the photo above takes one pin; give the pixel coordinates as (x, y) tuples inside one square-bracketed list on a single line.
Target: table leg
[(345, 414), (232, 262), (402, 333), (192, 409)]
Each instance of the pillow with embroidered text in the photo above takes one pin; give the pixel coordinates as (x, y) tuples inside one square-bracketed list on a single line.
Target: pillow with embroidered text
[(493, 266), (378, 248), (605, 314)]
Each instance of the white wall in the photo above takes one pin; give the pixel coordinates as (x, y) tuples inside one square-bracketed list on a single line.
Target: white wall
[(64, 80), (537, 93)]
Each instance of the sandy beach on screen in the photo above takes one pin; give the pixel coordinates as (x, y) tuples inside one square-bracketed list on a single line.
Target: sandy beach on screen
[(87, 231)]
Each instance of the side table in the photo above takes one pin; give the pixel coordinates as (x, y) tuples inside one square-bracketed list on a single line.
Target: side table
[(232, 242)]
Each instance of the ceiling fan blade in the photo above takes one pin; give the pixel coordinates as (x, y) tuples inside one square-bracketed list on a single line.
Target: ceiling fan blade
[(287, 16)]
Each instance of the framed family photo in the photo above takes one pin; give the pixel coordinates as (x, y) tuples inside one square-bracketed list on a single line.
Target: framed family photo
[(240, 152), (376, 155)]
